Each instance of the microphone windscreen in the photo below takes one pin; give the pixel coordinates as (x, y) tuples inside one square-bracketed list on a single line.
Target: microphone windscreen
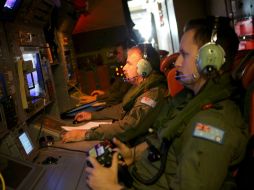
[(174, 85), (177, 77), (177, 74)]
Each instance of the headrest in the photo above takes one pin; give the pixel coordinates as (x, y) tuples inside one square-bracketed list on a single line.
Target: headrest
[(167, 63), (168, 68), (174, 86)]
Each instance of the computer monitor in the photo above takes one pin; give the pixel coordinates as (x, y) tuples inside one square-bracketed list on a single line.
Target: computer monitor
[(8, 9), (34, 78), (26, 143), (27, 147)]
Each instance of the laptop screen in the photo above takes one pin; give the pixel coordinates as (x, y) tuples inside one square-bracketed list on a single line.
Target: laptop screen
[(26, 143)]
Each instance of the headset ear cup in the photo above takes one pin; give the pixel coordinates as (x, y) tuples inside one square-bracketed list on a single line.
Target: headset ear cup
[(144, 68), (210, 58)]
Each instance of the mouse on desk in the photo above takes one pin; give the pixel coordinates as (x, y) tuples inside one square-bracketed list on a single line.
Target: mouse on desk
[(50, 160), (76, 121)]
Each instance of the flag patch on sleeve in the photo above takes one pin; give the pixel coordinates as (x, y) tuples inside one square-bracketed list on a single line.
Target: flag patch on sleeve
[(148, 101), (208, 132)]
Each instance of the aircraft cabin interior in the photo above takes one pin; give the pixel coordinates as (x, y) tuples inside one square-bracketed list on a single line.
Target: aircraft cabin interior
[(52, 52)]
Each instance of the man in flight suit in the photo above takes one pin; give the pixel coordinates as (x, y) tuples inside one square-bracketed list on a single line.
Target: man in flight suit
[(118, 89), (201, 130), (139, 104)]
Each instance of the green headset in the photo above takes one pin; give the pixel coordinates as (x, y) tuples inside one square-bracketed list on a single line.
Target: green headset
[(144, 67), (211, 56)]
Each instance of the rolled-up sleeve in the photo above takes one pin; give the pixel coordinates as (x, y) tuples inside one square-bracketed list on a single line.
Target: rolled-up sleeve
[(114, 112), (129, 124)]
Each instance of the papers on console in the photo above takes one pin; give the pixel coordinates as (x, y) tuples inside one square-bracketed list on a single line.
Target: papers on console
[(88, 125)]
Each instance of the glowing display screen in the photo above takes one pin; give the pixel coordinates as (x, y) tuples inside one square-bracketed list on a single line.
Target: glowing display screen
[(10, 4), (26, 143), (34, 79)]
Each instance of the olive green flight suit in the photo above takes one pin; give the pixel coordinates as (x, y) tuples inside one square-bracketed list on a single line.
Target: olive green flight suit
[(129, 124), (195, 162)]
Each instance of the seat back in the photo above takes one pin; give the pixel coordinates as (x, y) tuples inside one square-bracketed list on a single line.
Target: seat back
[(167, 67)]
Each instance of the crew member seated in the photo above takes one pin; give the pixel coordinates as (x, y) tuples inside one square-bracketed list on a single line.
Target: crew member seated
[(119, 88), (139, 107), (202, 134)]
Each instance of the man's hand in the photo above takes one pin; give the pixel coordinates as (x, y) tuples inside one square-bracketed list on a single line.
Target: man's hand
[(83, 116), (72, 136), (87, 99), (97, 92), (130, 155), (101, 178), (126, 152)]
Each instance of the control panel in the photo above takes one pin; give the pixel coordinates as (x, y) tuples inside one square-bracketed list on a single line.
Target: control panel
[(34, 84), (26, 86), (19, 143)]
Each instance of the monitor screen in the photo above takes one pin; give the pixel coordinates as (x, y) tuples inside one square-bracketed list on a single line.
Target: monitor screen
[(35, 81), (10, 4), (8, 9), (30, 80), (26, 143)]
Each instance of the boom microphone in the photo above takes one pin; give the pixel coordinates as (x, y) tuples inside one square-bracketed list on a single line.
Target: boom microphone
[(194, 76), (129, 79)]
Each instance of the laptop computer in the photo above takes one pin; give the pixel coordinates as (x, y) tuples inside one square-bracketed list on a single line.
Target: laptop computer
[(90, 107)]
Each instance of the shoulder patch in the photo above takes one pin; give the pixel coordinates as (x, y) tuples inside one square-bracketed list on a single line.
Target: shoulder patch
[(208, 132), (148, 101)]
